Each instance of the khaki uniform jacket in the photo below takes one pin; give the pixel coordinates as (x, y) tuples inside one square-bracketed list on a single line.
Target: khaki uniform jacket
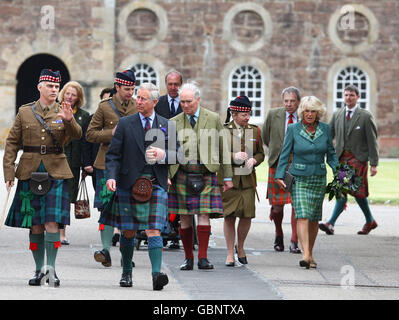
[(273, 132), (28, 131), (103, 121), (214, 160), (252, 145), (361, 138)]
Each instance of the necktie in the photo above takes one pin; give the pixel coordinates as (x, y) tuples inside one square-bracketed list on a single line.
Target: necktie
[(172, 107), (192, 121), (147, 124), (348, 116), (291, 119)]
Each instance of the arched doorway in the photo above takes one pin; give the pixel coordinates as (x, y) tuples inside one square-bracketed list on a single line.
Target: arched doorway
[(28, 75)]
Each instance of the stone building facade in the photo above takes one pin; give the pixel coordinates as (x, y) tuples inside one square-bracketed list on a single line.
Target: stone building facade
[(229, 47)]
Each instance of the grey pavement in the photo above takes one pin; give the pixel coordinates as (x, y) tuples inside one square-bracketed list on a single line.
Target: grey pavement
[(350, 266)]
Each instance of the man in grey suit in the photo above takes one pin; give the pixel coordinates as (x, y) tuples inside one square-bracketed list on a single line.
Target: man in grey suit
[(355, 133), (273, 132)]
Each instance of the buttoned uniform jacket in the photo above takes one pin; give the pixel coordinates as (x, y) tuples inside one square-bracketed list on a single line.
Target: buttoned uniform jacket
[(253, 146), (214, 160), (103, 122), (162, 108), (273, 133), (125, 158), (28, 131), (361, 138), (308, 154)]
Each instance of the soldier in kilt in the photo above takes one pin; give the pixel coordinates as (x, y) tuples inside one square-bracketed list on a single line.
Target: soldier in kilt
[(239, 201), (195, 189), (310, 142), (355, 133), (42, 152), (101, 129), (133, 154)]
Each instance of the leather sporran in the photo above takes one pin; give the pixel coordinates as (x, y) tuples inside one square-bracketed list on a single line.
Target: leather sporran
[(82, 205), (195, 183), (40, 183), (142, 189)]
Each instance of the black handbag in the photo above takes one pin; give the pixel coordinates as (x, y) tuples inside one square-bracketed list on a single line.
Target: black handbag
[(195, 183), (289, 180), (40, 183)]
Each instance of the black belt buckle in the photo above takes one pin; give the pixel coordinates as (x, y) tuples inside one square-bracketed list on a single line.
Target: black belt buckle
[(43, 149)]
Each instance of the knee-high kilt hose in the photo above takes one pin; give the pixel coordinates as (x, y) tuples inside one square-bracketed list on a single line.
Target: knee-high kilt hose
[(307, 197), (361, 171), (28, 209), (102, 194), (276, 195), (124, 213), (209, 201)]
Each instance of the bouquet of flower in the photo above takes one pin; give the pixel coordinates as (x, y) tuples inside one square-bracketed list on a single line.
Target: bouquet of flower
[(345, 180)]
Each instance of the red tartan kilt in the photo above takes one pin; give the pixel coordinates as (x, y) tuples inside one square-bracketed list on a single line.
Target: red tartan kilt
[(361, 170), (276, 195)]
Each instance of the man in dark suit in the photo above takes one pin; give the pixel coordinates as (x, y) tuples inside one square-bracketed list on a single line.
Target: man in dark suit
[(168, 105), (139, 148)]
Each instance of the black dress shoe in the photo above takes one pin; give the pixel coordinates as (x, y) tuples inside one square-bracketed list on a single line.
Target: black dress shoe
[(126, 280), (203, 263), (187, 265), (104, 257), (159, 280), (115, 239), (52, 279), (230, 264), (37, 278), (279, 243), (243, 260), (294, 248)]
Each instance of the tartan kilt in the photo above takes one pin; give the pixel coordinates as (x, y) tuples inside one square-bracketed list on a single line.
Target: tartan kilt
[(307, 197), (276, 195), (51, 207), (100, 186), (208, 202), (362, 169), (124, 213)]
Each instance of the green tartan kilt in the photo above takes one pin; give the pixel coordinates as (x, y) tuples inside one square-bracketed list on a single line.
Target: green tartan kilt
[(208, 202), (29, 210), (307, 197), (124, 213)]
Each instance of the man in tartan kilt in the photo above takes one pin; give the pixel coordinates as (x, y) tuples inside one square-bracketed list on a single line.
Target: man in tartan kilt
[(42, 152), (132, 154), (273, 133), (356, 144), (195, 187), (101, 129)]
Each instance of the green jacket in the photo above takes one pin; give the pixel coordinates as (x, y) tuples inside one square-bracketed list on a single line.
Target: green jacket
[(308, 154), (361, 138), (210, 155), (73, 147)]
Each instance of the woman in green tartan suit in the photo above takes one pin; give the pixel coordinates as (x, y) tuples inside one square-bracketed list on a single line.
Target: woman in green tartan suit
[(309, 141)]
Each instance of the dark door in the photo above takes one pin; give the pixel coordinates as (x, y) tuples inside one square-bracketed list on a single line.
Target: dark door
[(28, 76)]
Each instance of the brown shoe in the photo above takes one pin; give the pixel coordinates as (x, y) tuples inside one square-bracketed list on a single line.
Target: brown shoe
[(327, 228), (368, 227)]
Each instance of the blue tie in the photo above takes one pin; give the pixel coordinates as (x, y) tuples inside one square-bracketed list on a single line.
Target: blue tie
[(172, 108), (192, 121), (147, 125)]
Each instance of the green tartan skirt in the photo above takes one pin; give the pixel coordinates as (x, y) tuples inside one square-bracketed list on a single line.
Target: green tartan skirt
[(307, 197)]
